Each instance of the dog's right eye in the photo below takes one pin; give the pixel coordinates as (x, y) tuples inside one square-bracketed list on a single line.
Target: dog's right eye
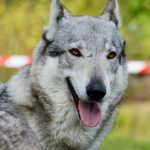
[(75, 52), (111, 55)]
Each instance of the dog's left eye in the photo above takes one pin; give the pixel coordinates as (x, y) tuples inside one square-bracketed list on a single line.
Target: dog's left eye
[(75, 52), (112, 55)]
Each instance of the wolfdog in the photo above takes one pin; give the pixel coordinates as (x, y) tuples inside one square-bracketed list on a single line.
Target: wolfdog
[(67, 99)]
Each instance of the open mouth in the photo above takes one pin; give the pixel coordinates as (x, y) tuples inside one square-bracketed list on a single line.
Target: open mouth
[(89, 112)]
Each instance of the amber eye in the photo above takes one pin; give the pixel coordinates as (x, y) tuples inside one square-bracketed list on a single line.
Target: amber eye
[(111, 55), (75, 52)]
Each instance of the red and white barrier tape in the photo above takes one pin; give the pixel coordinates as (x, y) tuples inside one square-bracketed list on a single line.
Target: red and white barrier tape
[(139, 67), (16, 61)]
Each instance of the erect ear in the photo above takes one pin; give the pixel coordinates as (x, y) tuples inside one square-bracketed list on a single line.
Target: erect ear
[(111, 12), (57, 13)]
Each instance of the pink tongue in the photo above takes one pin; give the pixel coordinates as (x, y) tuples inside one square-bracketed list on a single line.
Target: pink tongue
[(89, 113)]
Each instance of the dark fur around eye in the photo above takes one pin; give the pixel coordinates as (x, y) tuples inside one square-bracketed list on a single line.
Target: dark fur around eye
[(122, 56), (49, 49)]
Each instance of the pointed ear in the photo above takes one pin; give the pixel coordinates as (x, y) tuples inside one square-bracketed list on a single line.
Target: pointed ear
[(57, 13), (111, 12)]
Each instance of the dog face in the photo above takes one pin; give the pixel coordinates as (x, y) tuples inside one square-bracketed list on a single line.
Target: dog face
[(91, 52), (89, 55)]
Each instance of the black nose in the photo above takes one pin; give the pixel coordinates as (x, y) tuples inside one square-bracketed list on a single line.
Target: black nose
[(96, 91)]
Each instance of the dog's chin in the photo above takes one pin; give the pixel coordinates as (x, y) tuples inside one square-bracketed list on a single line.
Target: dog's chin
[(89, 112)]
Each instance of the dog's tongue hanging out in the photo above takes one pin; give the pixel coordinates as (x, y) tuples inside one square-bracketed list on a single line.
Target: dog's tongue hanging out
[(90, 113)]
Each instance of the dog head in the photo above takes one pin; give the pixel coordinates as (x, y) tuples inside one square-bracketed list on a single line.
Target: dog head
[(87, 54)]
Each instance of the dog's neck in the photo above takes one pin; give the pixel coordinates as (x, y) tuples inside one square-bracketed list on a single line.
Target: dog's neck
[(57, 118)]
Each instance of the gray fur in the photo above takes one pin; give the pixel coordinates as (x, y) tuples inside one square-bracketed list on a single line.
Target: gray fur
[(15, 134), (111, 12), (38, 97)]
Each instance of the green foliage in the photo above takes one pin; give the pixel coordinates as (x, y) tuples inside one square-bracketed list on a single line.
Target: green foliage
[(22, 21), (20, 28), (136, 28)]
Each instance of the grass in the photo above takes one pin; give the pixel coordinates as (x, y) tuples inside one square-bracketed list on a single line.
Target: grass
[(132, 129), (5, 74), (124, 143)]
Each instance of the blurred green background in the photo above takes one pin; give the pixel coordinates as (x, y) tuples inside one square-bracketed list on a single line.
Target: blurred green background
[(21, 26)]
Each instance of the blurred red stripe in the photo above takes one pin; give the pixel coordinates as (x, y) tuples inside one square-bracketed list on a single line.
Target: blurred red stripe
[(146, 69), (17, 61), (3, 59)]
